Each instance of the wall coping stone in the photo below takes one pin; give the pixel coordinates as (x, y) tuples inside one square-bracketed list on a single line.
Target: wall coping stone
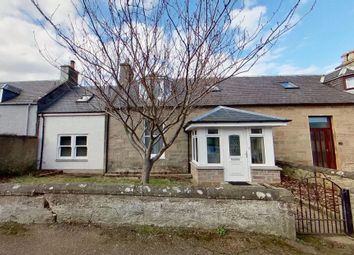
[(251, 192), (206, 167), (266, 168)]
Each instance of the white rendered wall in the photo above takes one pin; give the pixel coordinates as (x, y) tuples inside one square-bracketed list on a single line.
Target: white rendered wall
[(92, 125), (18, 119)]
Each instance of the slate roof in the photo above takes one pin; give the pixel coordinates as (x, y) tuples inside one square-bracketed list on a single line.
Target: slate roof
[(340, 72), (68, 103), (238, 91), (30, 91), (222, 114), (266, 90)]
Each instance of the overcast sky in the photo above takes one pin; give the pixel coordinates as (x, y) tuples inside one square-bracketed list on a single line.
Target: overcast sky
[(313, 47)]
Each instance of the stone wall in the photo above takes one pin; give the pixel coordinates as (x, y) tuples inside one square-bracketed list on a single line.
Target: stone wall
[(206, 175), (265, 176), (122, 157), (17, 154), (291, 143), (245, 208)]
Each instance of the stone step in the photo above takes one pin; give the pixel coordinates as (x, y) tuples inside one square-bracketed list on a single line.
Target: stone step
[(155, 175)]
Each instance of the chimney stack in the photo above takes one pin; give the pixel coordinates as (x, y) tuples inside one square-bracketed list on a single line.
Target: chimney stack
[(69, 74), (348, 59), (125, 74)]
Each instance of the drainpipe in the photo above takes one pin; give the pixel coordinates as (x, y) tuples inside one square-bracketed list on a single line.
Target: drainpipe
[(27, 118), (42, 142), (106, 142), (189, 151)]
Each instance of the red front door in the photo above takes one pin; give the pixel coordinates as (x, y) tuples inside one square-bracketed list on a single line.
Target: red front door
[(323, 153)]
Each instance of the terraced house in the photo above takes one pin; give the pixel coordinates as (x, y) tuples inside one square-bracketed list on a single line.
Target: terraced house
[(235, 134)]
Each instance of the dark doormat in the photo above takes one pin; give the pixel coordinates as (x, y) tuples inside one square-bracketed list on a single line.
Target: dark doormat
[(239, 183)]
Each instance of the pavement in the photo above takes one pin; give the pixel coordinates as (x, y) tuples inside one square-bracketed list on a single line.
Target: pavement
[(70, 239)]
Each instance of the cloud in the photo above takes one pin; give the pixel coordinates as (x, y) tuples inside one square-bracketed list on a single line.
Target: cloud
[(20, 56), (248, 19), (272, 63)]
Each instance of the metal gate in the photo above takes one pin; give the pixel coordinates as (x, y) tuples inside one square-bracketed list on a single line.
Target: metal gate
[(322, 207)]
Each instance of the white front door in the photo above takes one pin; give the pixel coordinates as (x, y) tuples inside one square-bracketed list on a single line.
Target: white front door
[(236, 168)]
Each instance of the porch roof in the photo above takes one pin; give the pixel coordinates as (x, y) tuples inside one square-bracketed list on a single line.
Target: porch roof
[(227, 115)]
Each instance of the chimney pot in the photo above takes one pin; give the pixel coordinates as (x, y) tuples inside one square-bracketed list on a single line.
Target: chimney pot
[(348, 58), (72, 64)]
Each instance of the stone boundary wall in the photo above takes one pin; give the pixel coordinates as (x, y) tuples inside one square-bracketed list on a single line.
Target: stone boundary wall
[(328, 171), (259, 209), (18, 154)]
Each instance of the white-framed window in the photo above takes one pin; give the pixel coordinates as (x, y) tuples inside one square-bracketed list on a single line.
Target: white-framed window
[(349, 83), (194, 146), (213, 146), (72, 146), (257, 146), (158, 145)]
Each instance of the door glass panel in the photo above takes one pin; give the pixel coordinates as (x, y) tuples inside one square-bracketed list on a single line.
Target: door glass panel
[(257, 150), (234, 145), (319, 122), (213, 147)]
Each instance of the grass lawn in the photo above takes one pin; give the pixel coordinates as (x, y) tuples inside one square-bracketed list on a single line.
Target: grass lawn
[(62, 178)]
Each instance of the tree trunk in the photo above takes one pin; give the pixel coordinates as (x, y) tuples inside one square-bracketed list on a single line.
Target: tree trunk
[(145, 176)]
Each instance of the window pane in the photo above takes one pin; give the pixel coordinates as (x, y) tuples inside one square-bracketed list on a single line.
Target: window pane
[(195, 149), (350, 82), (146, 127), (257, 150), (65, 152), (234, 145), (256, 131), (81, 151), (213, 148), (157, 146), (65, 140), (146, 141), (81, 140), (319, 122), (212, 131)]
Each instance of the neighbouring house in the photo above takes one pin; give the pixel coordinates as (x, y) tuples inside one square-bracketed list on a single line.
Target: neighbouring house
[(20, 105), (20, 102)]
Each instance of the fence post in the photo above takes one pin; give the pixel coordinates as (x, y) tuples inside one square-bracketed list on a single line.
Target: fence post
[(347, 212)]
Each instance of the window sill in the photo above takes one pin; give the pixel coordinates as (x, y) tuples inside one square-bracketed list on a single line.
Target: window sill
[(162, 156), (71, 160)]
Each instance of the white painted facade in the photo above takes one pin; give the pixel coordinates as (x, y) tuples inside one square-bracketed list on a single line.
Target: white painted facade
[(18, 119), (55, 125), (236, 168)]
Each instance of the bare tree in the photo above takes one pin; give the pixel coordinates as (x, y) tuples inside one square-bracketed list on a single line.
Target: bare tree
[(175, 53)]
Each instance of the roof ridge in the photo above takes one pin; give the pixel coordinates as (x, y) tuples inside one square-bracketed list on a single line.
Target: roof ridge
[(253, 113)]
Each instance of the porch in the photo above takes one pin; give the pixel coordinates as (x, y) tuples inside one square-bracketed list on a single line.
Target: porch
[(232, 145)]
